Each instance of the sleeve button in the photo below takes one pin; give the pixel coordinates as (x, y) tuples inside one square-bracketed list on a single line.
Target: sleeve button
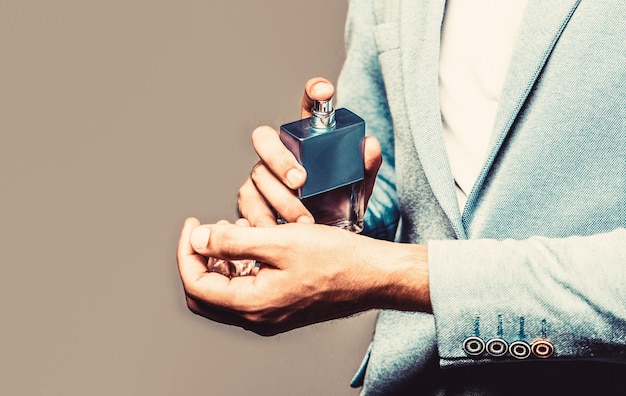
[(497, 347), (519, 350), (542, 348), (473, 346)]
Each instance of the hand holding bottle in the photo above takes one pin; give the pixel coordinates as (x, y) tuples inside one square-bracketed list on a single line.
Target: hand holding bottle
[(269, 191), (311, 272)]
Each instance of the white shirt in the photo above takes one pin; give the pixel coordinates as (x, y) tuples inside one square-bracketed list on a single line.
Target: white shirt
[(477, 42)]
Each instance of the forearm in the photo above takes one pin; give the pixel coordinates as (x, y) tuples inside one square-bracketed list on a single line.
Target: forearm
[(395, 276)]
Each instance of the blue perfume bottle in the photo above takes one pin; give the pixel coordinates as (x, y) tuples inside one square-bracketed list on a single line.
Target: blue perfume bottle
[(329, 145)]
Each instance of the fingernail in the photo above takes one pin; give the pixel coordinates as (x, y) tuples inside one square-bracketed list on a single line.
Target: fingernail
[(294, 177), (200, 237), (321, 89)]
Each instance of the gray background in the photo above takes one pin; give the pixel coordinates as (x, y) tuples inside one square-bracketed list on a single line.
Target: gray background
[(118, 119)]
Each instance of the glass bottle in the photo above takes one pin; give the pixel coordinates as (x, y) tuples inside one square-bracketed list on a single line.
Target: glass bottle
[(329, 146)]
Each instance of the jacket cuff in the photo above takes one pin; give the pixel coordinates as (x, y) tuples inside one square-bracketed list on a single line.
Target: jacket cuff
[(498, 301)]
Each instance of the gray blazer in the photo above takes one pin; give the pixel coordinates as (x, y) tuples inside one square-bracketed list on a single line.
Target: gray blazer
[(527, 284)]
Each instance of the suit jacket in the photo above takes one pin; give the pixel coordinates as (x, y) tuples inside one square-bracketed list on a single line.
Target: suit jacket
[(537, 259)]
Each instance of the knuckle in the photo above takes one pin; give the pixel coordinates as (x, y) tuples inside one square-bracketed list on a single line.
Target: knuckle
[(245, 190), (240, 194), (241, 210), (266, 331), (256, 324), (192, 296), (193, 306), (265, 328), (259, 314), (258, 170), (227, 242)]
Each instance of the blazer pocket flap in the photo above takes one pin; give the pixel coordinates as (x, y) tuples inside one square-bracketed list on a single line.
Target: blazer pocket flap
[(387, 36)]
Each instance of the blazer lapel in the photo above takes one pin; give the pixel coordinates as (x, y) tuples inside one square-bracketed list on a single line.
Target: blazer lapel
[(541, 27), (420, 35)]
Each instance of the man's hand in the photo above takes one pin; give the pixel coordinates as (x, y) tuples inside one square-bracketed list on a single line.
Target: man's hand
[(270, 188), (312, 273)]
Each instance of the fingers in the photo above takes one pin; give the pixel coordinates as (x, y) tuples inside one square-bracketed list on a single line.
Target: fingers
[(264, 190), (317, 88), (184, 248), (261, 193), (232, 317), (243, 222), (283, 296), (191, 265), (271, 184), (233, 242), (198, 282), (253, 207), (283, 200), (209, 294), (226, 241), (372, 158), (277, 157), (269, 190)]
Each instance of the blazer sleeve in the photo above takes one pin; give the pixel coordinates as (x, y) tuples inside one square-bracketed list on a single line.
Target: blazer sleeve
[(568, 292)]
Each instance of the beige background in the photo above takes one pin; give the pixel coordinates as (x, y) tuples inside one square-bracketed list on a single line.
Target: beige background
[(118, 119)]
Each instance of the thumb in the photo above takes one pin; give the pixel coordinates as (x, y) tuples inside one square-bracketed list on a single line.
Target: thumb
[(199, 238), (317, 88), (233, 242)]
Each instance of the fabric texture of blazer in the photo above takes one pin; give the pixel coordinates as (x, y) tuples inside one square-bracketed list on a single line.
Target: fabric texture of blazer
[(539, 252)]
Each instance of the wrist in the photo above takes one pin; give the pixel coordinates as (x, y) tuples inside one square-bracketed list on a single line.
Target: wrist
[(399, 277)]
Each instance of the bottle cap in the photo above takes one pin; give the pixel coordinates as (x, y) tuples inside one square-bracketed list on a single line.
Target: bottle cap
[(323, 114)]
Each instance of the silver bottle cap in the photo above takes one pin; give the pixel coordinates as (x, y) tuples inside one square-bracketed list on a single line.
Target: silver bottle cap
[(323, 114)]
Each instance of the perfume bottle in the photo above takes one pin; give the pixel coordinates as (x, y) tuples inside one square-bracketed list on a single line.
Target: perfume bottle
[(233, 268), (329, 145)]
